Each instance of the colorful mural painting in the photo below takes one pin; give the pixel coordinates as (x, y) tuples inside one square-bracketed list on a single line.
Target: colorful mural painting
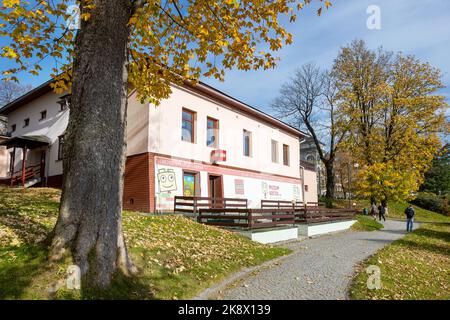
[(167, 187), (189, 185)]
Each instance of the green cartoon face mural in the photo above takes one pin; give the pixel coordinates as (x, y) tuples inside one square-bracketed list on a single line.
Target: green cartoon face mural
[(166, 180)]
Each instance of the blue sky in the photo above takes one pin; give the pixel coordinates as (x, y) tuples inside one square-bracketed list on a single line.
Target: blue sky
[(419, 27)]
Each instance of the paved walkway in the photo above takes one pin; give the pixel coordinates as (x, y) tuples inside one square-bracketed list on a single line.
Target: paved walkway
[(320, 268)]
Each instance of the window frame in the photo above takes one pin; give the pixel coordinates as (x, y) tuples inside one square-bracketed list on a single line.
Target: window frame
[(215, 129), (193, 123), (274, 155), (247, 134), (196, 176), (11, 162), (43, 115), (286, 154), (60, 147)]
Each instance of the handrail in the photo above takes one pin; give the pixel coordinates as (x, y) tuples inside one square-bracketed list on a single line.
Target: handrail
[(30, 172), (29, 167)]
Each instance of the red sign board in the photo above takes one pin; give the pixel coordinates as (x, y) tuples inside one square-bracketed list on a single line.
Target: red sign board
[(218, 155)]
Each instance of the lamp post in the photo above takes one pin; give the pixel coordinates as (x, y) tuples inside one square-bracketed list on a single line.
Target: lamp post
[(356, 165)]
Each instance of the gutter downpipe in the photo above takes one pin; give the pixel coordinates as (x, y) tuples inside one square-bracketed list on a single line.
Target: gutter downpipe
[(302, 174)]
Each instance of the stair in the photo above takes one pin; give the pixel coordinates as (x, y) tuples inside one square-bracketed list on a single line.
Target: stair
[(32, 182)]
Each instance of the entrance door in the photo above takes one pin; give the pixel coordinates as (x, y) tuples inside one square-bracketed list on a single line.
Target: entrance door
[(215, 189), (42, 168)]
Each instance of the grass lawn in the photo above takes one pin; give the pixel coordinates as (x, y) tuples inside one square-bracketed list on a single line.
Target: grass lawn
[(416, 266), (176, 257), (396, 210), (366, 223)]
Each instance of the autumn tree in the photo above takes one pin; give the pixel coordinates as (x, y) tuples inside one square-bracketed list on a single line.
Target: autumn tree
[(8, 92), (309, 100), (141, 44), (395, 116)]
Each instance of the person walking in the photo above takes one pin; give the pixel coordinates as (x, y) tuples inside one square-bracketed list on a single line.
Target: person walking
[(409, 218), (381, 212), (374, 211)]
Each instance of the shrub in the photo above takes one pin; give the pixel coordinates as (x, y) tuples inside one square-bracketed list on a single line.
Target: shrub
[(328, 201), (433, 202)]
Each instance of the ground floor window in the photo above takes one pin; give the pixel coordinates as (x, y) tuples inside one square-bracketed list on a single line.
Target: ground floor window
[(11, 162), (190, 184), (60, 147)]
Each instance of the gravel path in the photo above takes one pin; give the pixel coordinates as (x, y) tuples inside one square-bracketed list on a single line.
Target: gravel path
[(319, 268)]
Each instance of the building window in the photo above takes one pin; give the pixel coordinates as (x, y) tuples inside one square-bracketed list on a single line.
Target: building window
[(306, 187), (26, 122), (212, 132), (247, 143), (285, 154), (64, 102), (43, 115), (11, 162), (274, 148), (188, 126), (13, 128), (190, 184), (60, 147)]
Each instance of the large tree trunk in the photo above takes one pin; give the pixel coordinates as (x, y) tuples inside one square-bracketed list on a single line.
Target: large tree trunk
[(89, 222), (329, 167)]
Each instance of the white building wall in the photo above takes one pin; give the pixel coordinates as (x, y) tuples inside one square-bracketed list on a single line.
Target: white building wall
[(310, 178), (165, 134), (52, 127)]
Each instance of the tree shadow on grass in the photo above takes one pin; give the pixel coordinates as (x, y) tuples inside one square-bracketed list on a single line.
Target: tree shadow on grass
[(437, 234), (18, 268), (436, 248)]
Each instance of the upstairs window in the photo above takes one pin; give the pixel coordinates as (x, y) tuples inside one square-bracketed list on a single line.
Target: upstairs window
[(285, 154), (247, 140), (60, 147), (274, 149), (13, 128), (64, 102), (43, 115), (212, 132), (188, 126), (26, 122)]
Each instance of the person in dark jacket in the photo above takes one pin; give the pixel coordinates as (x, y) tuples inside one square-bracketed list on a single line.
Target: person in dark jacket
[(382, 211), (409, 218)]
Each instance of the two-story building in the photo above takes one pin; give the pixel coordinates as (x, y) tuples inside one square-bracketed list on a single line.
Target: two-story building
[(198, 142)]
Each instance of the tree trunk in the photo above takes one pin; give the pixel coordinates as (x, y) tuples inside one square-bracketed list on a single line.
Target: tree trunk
[(89, 222), (329, 168)]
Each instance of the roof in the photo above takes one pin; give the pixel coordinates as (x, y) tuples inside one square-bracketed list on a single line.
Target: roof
[(30, 142), (202, 88)]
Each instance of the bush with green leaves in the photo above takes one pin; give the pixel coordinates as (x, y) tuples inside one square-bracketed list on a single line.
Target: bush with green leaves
[(433, 202)]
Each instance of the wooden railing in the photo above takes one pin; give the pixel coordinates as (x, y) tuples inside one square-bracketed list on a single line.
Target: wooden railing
[(311, 214), (246, 218), (234, 212), (193, 204), (281, 204), (30, 173)]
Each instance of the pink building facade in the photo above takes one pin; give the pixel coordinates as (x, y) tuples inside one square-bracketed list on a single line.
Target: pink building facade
[(198, 142)]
